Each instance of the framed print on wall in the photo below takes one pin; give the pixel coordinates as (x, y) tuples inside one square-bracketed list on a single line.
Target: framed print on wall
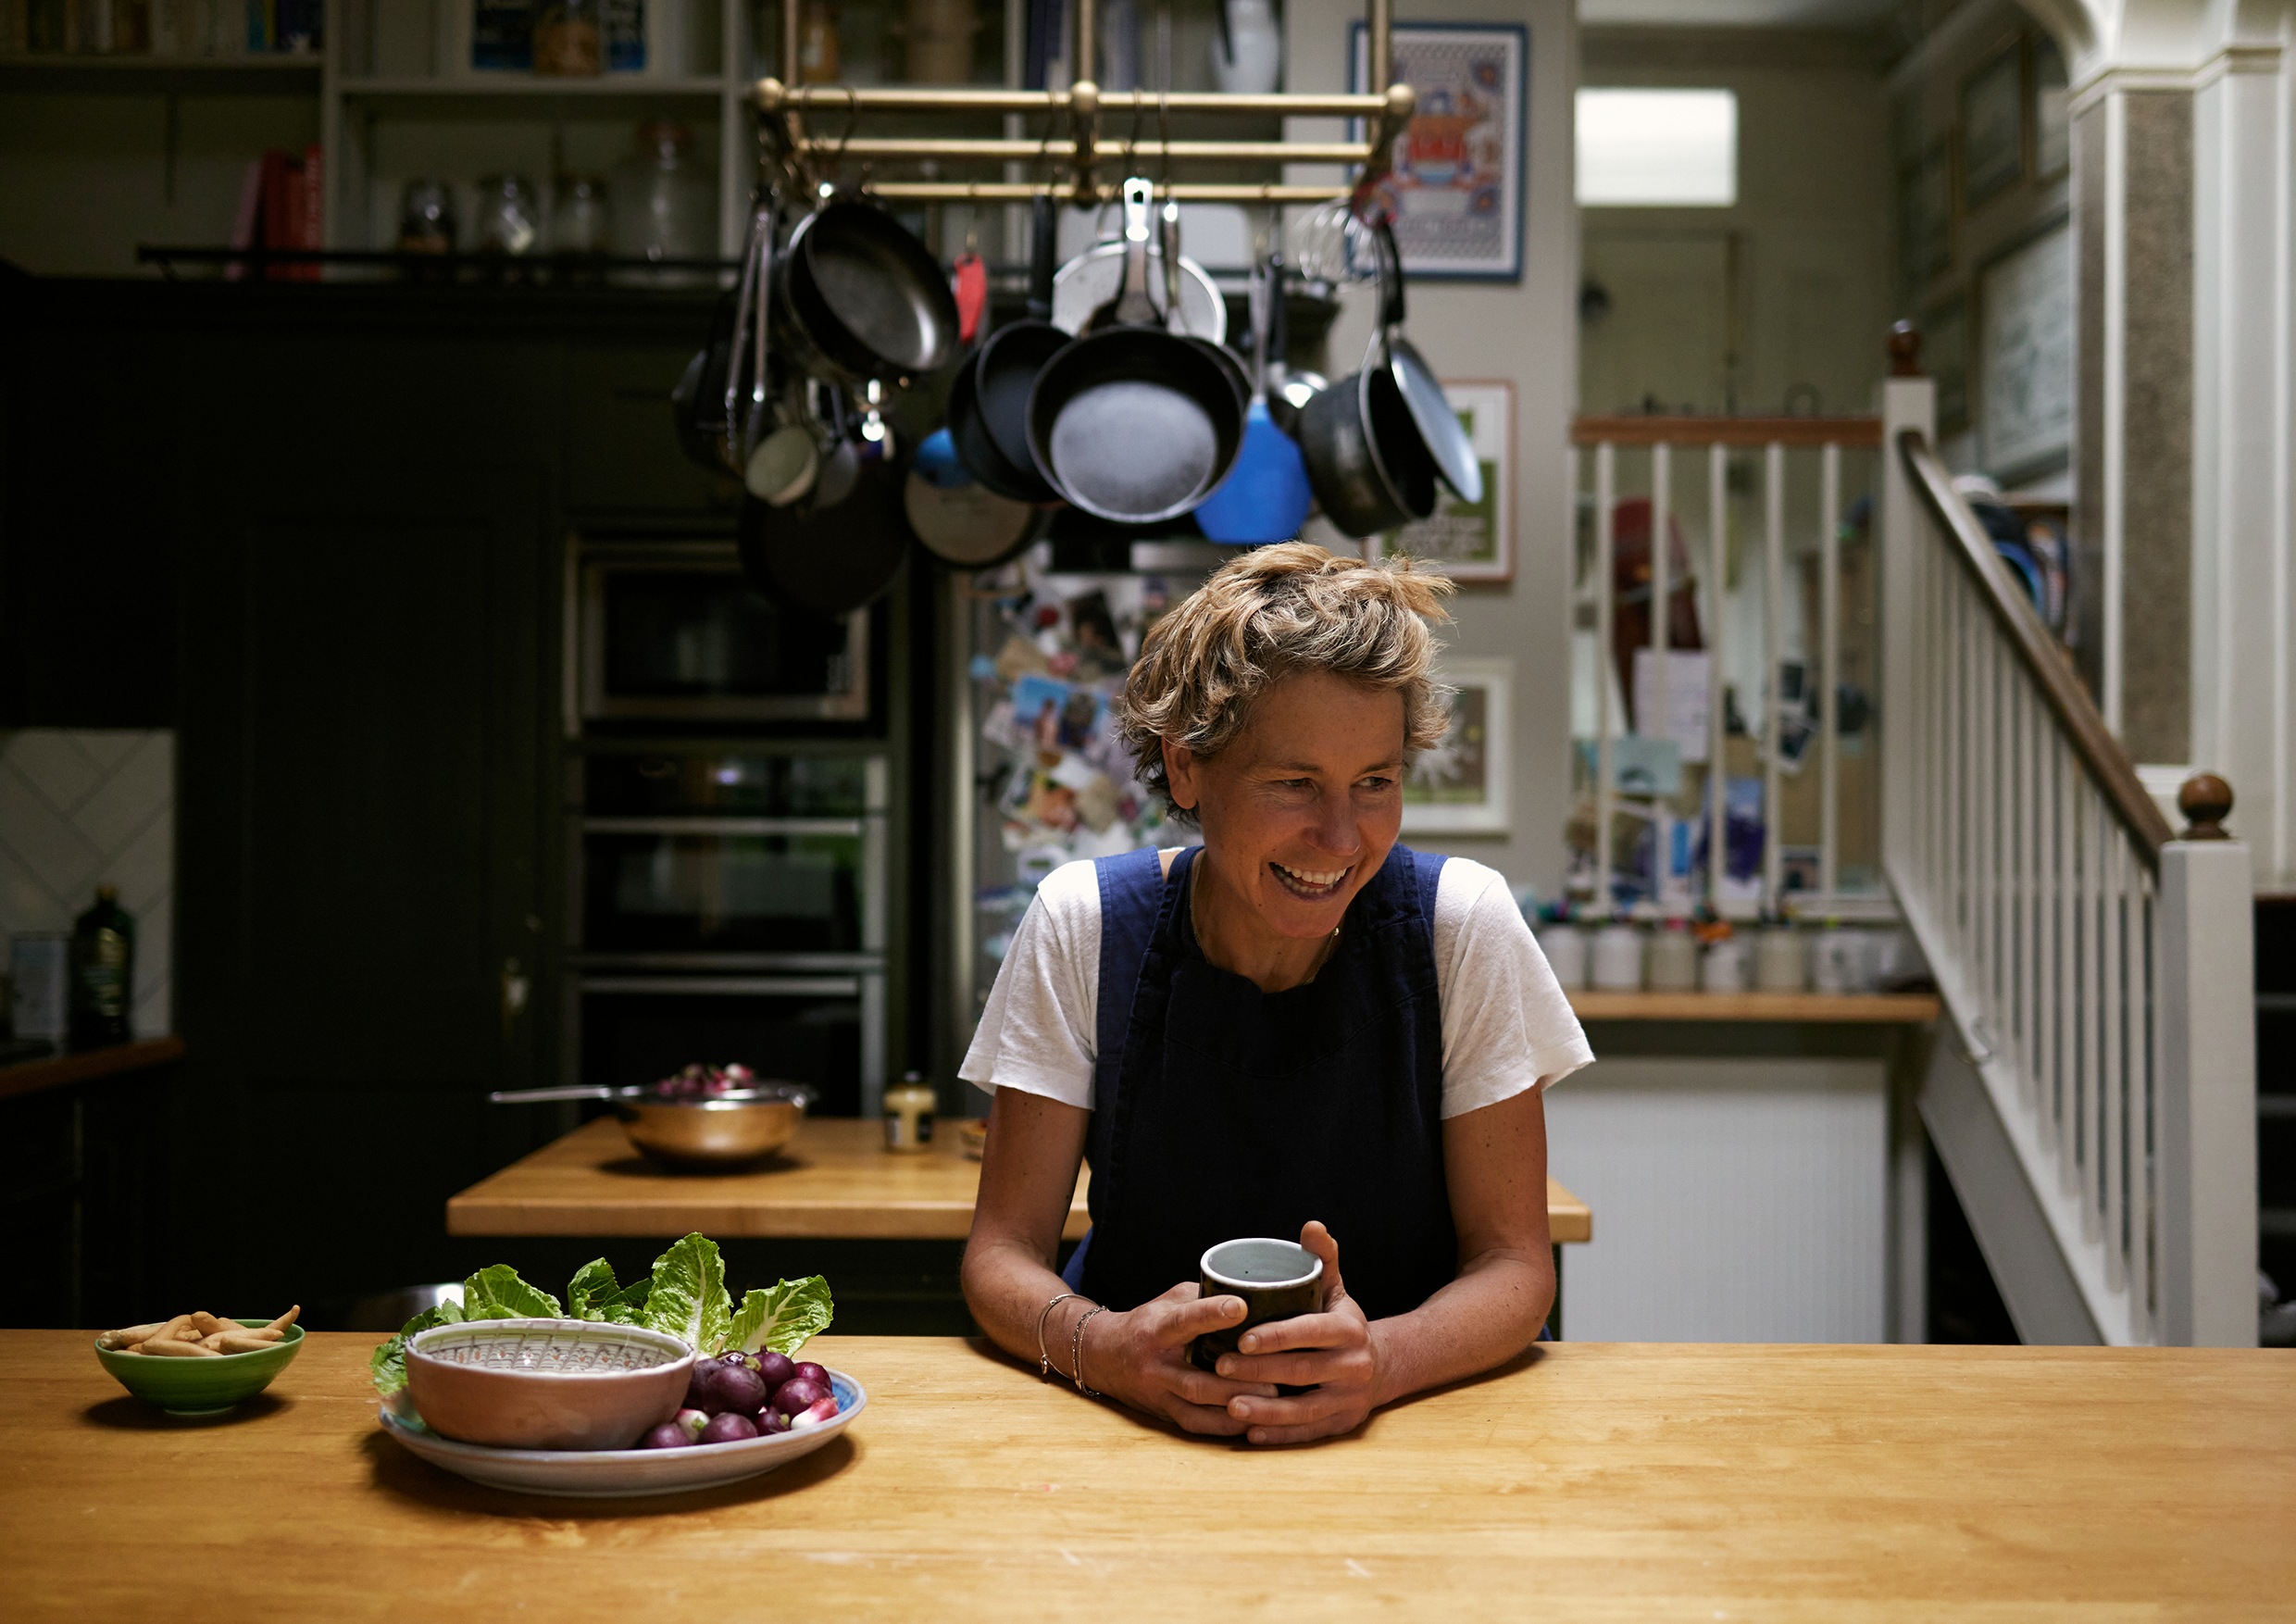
[(2025, 355), (1992, 125), (2051, 117), (1461, 785), (1468, 541), (1456, 193)]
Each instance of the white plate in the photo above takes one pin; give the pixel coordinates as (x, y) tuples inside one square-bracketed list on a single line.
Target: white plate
[(605, 1474)]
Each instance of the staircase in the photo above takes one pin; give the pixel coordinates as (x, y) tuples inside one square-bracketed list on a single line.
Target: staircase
[(2093, 1093)]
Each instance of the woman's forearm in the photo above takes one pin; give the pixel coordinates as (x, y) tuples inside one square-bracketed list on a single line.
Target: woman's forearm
[(1489, 1313), (1006, 1286)]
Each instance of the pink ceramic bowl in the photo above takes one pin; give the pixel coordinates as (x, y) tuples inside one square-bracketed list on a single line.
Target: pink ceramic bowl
[(546, 1383)]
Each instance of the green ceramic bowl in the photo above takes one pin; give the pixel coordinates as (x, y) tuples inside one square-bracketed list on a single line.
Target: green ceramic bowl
[(202, 1387)]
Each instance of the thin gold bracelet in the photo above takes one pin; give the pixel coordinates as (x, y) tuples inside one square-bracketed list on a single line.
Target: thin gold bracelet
[(1076, 1350), (1044, 1359)]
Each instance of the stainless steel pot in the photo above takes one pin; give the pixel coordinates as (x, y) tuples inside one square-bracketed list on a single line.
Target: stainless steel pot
[(698, 1132)]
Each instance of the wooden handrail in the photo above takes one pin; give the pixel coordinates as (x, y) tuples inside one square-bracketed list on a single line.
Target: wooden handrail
[(1637, 429), (2107, 763)]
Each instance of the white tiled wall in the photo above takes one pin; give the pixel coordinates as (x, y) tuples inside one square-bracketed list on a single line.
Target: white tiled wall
[(82, 809)]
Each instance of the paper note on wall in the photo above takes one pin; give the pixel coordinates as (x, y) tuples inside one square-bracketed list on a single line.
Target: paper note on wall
[(1670, 698)]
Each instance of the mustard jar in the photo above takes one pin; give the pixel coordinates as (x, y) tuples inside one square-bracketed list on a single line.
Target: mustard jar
[(909, 1114)]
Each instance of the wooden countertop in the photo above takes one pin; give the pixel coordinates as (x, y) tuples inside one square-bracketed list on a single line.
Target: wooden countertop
[(31, 1076), (1858, 1007), (835, 1181), (1617, 1482)]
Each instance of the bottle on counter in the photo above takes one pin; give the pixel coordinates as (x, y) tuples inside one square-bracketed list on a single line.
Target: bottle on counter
[(103, 972), (909, 1114)]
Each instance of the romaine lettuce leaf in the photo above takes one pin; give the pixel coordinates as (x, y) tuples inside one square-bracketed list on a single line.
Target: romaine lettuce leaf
[(497, 1292), (593, 1294), (387, 1366), (784, 1318), (688, 1297)]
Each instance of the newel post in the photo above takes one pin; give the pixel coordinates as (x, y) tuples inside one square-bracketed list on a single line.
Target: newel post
[(2207, 1071), (1908, 400)]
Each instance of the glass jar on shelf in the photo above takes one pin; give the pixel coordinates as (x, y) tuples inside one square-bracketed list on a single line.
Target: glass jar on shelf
[(579, 221), (509, 221), (663, 205), (426, 217)]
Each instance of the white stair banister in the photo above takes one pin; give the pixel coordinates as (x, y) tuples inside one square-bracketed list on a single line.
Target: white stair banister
[(2098, 971)]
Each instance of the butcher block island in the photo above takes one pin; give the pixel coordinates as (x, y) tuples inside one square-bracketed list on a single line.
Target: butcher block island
[(1622, 1481), (836, 1181)]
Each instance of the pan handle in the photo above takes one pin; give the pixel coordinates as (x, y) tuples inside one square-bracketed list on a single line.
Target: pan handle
[(521, 1096), (1044, 252), (1274, 368), (1391, 273), (1134, 308)]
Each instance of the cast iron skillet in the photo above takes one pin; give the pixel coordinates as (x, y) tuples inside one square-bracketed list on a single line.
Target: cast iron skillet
[(1135, 424), (989, 398), (866, 297), (1367, 462)]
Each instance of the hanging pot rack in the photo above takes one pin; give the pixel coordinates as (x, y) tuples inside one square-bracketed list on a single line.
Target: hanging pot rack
[(1086, 150)]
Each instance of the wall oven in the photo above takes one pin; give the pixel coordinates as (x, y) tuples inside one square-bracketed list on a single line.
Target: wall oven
[(669, 632), (728, 902)]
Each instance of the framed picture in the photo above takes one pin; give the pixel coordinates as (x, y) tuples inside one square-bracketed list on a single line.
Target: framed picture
[(1945, 358), (1926, 214), (1468, 541), (2025, 355), (1461, 785), (1456, 191), (2053, 112), (1992, 125)]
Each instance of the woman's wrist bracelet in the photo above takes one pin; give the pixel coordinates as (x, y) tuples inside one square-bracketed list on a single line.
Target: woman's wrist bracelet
[(1044, 1359), (1076, 1349)]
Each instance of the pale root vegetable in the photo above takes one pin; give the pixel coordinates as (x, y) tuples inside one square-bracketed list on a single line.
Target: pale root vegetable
[(198, 1334)]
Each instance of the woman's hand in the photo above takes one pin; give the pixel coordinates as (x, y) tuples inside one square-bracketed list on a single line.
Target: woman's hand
[(1142, 1358), (1332, 1351)]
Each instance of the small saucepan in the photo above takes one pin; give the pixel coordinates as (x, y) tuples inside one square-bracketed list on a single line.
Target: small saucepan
[(1134, 424), (696, 1132)]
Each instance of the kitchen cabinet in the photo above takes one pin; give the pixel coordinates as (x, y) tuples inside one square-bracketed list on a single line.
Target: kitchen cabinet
[(319, 532)]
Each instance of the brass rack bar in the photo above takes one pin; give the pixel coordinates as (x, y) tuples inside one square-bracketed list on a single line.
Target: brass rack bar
[(772, 96), (990, 148), (1022, 190)]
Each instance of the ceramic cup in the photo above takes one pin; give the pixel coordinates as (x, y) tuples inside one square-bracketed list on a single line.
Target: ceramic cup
[(1276, 1280)]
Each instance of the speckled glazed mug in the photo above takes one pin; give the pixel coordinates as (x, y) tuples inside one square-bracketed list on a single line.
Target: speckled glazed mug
[(1276, 1280)]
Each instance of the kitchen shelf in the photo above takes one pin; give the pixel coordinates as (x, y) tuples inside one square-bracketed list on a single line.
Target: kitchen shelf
[(82, 62), (1868, 1008), (58, 72)]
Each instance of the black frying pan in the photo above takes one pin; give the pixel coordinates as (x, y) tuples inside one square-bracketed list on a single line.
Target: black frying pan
[(1367, 462), (866, 297), (1134, 424), (988, 398)]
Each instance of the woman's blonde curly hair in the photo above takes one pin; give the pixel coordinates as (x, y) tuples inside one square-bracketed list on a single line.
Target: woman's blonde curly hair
[(1274, 612)]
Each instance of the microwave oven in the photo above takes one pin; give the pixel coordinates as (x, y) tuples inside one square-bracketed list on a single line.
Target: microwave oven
[(671, 632)]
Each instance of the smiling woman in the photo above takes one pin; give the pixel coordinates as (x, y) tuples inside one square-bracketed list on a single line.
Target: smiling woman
[(1299, 1027)]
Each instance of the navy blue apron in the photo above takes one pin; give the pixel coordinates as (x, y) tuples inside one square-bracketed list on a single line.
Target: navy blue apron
[(1221, 1111)]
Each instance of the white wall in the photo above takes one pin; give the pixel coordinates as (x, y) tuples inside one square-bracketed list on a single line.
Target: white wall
[(1526, 331)]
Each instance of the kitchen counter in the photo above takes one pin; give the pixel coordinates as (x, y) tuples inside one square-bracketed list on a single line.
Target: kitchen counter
[(1586, 1480), (836, 1180), (55, 1070)]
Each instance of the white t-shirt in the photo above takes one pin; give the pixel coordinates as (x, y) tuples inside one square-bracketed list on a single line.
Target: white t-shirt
[(1506, 1025)]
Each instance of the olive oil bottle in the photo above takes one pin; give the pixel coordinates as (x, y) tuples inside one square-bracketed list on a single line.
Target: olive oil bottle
[(103, 966)]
